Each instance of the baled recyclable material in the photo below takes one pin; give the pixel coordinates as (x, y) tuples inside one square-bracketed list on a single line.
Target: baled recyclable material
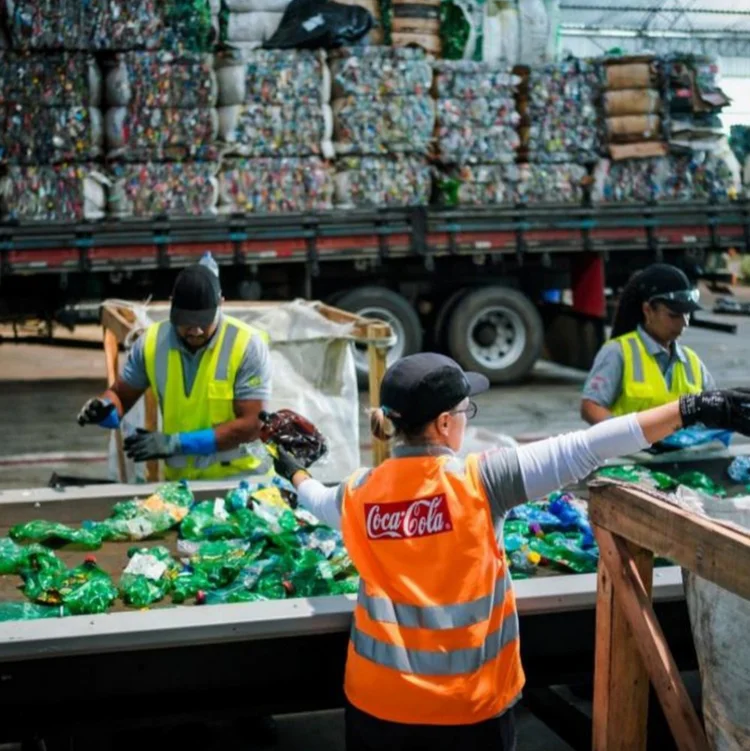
[(275, 185), (142, 134), (381, 125), (293, 130), (171, 189), (50, 79), (382, 181), (53, 193), (162, 80), (273, 77)]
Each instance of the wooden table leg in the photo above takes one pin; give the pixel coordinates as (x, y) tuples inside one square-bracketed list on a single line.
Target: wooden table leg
[(621, 681)]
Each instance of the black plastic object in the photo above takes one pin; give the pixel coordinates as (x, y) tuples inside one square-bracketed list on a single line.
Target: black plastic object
[(316, 24), (295, 434)]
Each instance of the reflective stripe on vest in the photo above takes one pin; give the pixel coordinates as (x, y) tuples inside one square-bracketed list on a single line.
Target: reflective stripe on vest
[(645, 386), (429, 662), (210, 401), (434, 616), (434, 638)]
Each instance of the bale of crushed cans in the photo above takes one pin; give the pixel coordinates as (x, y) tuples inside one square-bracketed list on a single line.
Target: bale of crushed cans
[(140, 134), (700, 177), (291, 129), (562, 112), (53, 193), (380, 72), (273, 77), (275, 185), (476, 113), (30, 134), (50, 79), (110, 24), (162, 79), (175, 189), (382, 181)]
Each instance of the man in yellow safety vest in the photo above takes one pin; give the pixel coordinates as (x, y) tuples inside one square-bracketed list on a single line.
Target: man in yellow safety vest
[(644, 365), (211, 374)]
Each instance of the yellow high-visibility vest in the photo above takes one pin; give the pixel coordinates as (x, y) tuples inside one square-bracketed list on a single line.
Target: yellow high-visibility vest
[(210, 401), (644, 385)]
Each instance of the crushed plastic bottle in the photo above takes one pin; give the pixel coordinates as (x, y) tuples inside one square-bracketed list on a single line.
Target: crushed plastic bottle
[(566, 551), (213, 520), (148, 577), (739, 470), (523, 563), (16, 558), (55, 535), (83, 590), (142, 520), (701, 481), (28, 611), (219, 562)]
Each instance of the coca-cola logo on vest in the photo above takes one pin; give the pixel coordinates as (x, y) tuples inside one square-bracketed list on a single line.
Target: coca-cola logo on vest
[(408, 519)]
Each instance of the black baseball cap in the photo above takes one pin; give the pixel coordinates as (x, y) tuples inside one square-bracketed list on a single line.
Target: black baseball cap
[(417, 388), (665, 283), (196, 297)]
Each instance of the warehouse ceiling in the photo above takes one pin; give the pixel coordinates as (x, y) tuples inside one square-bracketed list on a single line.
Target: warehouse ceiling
[(714, 27)]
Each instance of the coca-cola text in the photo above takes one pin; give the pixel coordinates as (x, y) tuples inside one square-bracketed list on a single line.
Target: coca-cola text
[(407, 519)]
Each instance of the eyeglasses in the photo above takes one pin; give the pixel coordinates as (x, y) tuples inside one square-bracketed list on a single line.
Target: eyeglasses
[(683, 295), (470, 411)]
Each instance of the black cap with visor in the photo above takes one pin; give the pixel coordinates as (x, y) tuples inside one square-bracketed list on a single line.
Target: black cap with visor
[(667, 284), (196, 297), (418, 388)]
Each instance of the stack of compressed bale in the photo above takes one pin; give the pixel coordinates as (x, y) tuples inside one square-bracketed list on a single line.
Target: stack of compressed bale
[(384, 118), (275, 127)]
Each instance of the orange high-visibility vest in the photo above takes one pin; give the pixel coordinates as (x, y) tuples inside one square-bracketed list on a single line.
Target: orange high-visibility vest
[(435, 633)]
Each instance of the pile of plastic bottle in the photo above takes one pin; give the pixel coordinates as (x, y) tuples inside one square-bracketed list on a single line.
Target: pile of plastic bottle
[(247, 546)]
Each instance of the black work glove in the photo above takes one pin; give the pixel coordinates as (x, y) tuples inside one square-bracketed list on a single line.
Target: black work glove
[(723, 410), (145, 445), (285, 464), (95, 411)]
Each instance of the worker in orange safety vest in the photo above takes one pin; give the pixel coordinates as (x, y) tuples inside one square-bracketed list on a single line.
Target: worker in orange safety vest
[(433, 659)]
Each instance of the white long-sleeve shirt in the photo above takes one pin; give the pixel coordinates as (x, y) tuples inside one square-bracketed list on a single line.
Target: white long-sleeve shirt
[(512, 476)]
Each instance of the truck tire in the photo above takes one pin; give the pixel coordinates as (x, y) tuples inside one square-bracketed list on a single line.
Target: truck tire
[(394, 309), (496, 331)]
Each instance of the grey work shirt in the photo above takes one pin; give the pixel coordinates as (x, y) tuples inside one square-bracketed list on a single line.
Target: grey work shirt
[(604, 382), (253, 380)]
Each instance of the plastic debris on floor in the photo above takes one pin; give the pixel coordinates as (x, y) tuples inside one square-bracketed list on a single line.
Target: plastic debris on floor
[(275, 185)]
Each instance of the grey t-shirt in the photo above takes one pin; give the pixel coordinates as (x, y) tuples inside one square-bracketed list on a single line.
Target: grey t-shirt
[(253, 380), (604, 382)]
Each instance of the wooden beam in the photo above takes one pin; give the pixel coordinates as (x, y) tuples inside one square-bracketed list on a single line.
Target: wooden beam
[(707, 548), (620, 677), (151, 422), (649, 640), (377, 363), (111, 361)]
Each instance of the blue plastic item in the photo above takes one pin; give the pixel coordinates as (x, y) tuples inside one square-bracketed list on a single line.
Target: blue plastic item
[(739, 470), (689, 437)]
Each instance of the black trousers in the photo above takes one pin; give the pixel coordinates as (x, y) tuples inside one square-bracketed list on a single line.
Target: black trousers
[(367, 733)]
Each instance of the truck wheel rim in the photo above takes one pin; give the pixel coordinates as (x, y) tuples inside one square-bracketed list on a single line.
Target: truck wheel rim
[(496, 337), (394, 352)]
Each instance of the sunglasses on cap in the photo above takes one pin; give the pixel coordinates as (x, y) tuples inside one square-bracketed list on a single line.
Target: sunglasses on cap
[(680, 296)]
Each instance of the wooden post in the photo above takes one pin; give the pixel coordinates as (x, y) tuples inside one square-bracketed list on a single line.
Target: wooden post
[(377, 362), (647, 640), (153, 467), (620, 677), (111, 359)]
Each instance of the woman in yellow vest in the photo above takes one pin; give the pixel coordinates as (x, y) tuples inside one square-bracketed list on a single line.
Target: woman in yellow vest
[(433, 660), (644, 365), (211, 375)]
